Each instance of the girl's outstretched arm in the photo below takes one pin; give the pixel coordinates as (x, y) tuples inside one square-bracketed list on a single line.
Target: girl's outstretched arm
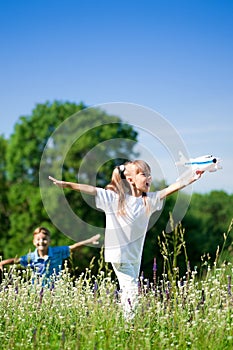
[(74, 186), (178, 185)]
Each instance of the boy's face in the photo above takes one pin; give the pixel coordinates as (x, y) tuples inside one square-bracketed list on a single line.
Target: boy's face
[(41, 241)]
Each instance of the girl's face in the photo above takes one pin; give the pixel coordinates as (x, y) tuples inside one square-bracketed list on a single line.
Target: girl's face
[(41, 241), (139, 179)]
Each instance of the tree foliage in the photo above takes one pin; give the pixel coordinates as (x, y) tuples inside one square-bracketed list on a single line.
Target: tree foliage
[(69, 141), (206, 225), (206, 222), (4, 203), (64, 132)]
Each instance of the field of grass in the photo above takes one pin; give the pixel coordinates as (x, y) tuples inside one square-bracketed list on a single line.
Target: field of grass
[(189, 312)]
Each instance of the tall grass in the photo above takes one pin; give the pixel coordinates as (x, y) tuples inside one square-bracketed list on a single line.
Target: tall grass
[(174, 312)]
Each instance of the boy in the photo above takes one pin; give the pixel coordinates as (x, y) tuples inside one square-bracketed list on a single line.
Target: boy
[(46, 260)]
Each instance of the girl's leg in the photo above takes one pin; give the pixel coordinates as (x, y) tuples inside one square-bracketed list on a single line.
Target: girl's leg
[(127, 275)]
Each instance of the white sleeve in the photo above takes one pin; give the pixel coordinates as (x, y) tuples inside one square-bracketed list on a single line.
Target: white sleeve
[(104, 197), (156, 202)]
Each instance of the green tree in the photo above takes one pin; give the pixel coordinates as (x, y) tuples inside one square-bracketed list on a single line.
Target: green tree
[(207, 219), (205, 224), (24, 152), (4, 204), (58, 136), (69, 141)]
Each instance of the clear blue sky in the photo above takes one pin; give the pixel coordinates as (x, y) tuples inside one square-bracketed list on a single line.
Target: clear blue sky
[(172, 56)]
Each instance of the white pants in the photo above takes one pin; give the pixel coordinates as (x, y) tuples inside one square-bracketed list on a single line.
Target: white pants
[(127, 275)]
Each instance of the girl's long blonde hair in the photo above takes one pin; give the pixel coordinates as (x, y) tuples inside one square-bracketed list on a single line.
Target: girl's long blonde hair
[(121, 186)]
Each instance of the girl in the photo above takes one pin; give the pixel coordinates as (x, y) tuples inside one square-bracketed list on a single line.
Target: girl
[(128, 205)]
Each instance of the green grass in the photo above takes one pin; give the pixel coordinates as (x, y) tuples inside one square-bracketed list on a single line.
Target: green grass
[(84, 313), (194, 311)]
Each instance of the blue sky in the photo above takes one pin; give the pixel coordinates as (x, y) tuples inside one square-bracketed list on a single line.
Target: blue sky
[(172, 56)]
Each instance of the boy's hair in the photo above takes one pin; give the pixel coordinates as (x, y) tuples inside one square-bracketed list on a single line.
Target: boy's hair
[(43, 230), (120, 185)]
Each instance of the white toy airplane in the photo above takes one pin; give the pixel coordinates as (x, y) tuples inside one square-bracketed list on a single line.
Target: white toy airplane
[(199, 164)]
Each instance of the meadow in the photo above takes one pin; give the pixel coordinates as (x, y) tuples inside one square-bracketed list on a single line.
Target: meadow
[(193, 311)]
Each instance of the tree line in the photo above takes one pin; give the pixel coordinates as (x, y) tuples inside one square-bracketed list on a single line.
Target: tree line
[(33, 151)]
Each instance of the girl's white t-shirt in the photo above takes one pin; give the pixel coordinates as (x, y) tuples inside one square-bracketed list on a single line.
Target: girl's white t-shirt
[(125, 234)]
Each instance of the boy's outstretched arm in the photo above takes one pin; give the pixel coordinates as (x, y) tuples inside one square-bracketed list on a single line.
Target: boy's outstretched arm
[(74, 186), (8, 262), (92, 240), (178, 185)]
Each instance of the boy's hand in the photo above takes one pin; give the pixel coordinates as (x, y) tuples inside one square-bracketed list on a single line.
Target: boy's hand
[(95, 239)]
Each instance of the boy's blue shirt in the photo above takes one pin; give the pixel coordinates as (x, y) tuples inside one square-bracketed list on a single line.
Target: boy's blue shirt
[(52, 264)]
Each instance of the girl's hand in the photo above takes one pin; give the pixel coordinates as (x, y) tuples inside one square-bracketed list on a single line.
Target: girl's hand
[(57, 182), (198, 174), (88, 189)]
